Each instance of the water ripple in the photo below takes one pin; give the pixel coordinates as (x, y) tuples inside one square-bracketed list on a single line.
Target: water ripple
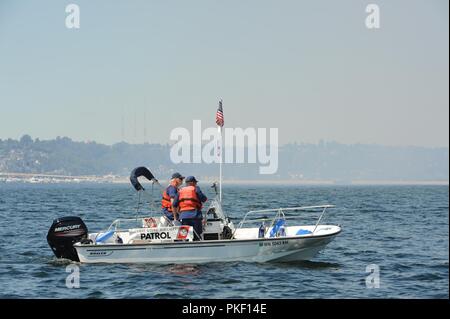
[(403, 230)]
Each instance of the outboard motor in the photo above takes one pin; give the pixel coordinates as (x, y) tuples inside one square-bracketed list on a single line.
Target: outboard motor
[(65, 232)]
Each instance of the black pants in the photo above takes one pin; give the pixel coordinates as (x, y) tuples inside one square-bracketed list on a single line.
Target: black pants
[(196, 223)]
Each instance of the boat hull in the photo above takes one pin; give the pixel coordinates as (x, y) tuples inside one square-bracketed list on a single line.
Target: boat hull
[(281, 249)]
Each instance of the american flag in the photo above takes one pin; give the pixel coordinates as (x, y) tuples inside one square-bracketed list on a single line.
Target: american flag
[(219, 115)]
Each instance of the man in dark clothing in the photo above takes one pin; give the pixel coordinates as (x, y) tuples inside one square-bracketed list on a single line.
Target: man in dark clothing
[(189, 202), (168, 196)]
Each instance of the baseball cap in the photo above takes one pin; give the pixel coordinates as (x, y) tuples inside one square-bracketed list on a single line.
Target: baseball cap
[(177, 175), (190, 179)]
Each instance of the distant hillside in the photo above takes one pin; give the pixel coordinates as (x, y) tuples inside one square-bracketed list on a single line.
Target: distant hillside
[(323, 161)]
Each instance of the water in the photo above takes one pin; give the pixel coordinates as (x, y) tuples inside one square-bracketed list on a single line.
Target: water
[(402, 229)]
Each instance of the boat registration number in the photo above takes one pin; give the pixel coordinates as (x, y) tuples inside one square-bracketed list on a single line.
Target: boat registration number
[(274, 243)]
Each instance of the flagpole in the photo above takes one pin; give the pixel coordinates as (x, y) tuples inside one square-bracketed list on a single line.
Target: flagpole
[(220, 164), (220, 122)]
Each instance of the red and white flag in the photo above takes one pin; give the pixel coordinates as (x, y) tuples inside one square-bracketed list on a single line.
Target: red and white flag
[(219, 115)]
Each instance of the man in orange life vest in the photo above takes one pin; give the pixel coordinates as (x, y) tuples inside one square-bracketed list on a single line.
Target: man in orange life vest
[(168, 196), (189, 202)]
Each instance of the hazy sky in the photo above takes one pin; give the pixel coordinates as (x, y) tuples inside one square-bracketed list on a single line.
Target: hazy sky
[(310, 68)]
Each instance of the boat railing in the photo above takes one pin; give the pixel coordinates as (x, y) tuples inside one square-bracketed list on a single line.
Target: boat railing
[(280, 214), (116, 224)]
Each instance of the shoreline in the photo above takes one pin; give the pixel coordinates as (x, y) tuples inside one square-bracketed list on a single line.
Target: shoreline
[(26, 178)]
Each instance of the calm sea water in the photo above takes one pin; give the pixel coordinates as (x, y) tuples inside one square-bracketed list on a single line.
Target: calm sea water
[(402, 229)]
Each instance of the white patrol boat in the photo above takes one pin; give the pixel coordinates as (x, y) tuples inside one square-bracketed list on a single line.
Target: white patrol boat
[(261, 236), (150, 239)]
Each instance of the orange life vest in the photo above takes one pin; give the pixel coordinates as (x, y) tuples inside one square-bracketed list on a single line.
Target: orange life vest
[(188, 199), (165, 201)]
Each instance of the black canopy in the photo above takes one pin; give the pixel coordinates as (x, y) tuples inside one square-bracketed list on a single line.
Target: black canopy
[(138, 172)]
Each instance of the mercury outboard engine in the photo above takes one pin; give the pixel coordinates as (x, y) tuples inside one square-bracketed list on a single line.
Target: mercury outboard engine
[(65, 232)]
